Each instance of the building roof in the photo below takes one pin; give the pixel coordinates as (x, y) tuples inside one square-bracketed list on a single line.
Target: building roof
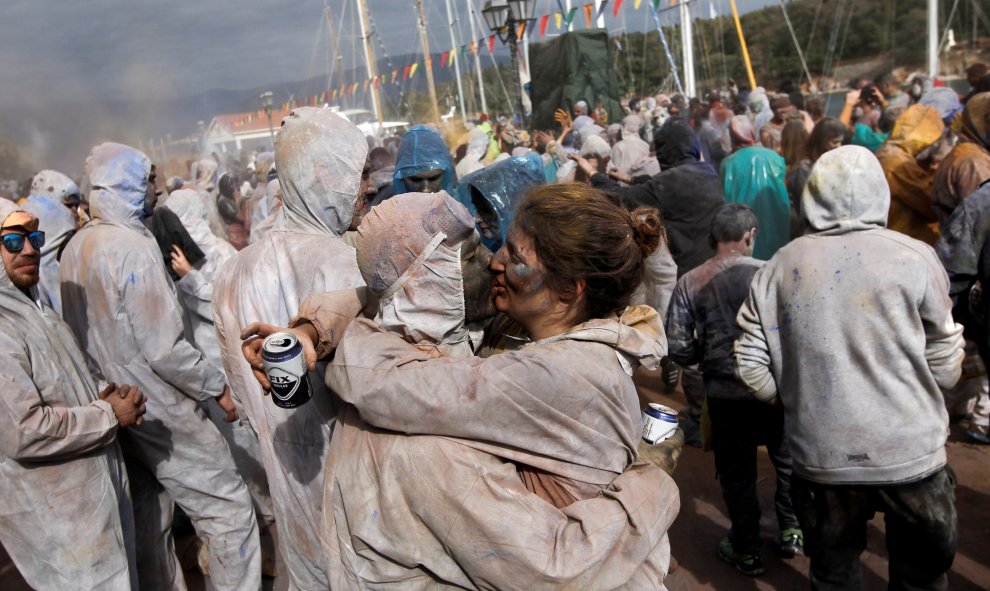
[(239, 123)]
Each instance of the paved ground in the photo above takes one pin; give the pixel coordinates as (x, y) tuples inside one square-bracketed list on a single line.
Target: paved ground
[(702, 523)]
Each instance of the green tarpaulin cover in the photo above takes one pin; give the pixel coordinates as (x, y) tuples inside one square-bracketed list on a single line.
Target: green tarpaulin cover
[(575, 66)]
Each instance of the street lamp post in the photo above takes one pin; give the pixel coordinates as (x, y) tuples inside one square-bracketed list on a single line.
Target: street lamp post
[(503, 18), (267, 101)]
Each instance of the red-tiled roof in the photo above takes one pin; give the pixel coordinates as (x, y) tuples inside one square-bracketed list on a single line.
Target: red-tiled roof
[(251, 121)]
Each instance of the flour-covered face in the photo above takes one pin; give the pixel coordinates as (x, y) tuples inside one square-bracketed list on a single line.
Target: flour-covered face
[(428, 181), (520, 288), (22, 266), (475, 258)]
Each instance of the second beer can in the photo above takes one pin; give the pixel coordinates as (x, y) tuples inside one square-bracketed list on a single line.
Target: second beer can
[(659, 423)]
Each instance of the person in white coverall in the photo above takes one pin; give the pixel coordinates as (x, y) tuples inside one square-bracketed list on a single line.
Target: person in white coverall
[(66, 517), (204, 173), (261, 228), (195, 291), (319, 157), (477, 147), (123, 309), (59, 225), (62, 189)]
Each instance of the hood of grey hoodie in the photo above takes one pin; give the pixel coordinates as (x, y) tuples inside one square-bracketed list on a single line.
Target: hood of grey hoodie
[(846, 192), (118, 175)]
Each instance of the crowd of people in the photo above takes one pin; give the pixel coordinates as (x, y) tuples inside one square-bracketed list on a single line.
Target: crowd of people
[(472, 308)]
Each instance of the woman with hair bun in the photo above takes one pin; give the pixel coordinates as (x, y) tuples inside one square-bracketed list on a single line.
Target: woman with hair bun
[(564, 277), (516, 470)]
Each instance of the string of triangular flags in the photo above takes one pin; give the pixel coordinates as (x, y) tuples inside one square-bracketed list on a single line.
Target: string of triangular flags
[(562, 20)]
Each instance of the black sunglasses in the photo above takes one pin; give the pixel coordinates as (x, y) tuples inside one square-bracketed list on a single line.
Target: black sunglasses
[(15, 242)]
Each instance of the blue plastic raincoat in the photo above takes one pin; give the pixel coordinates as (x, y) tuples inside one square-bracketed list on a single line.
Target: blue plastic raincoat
[(423, 149), (501, 185), (754, 176)]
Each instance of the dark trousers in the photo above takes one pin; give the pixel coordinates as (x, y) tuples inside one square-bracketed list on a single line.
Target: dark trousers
[(920, 519), (738, 428)]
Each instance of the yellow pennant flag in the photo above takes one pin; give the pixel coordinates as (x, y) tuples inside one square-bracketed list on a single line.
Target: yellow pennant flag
[(557, 18), (636, 4), (412, 70)]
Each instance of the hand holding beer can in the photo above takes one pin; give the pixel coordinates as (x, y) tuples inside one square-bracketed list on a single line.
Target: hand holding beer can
[(285, 366), (659, 423)]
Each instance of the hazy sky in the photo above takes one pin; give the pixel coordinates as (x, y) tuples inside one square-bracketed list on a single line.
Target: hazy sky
[(51, 50)]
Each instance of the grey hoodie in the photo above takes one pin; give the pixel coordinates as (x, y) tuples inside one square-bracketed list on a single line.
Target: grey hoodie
[(851, 325)]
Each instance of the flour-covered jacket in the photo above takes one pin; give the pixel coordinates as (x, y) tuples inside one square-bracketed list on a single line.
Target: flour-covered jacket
[(515, 472), (132, 325), (565, 405), (66, 516), (195, 290), (851, 326), (319, 157)]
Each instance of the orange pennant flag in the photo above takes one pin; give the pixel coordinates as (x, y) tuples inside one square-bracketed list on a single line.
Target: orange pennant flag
[(587, 13), (491, 44)]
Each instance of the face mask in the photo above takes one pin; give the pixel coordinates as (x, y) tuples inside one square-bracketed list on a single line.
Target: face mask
[(426, 303)]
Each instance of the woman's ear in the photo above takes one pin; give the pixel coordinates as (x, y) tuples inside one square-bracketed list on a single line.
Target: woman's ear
[(575, 293)]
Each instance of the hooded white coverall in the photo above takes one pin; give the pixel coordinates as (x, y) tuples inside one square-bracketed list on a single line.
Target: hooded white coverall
[(54, 184), (66, 517), (477, 147), (430, 512), (319, 157), (195, 292), (58, 224), (204, 174), (262, 227), (122, 307)]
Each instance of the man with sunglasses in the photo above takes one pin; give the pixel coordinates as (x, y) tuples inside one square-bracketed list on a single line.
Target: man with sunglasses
[(66, 520)]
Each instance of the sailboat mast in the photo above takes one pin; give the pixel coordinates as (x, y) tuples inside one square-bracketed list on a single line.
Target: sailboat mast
[(933, 39), (688, 48), (457, 61), (742, 45), (424, 39), (477, 60), (334, 59), (369, 58)]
